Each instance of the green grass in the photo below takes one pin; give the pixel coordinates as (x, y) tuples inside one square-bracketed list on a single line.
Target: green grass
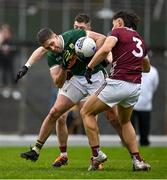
[(118, 165)]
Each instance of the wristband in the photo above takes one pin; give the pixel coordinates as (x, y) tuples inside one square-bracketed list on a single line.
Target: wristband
[(28, 65)]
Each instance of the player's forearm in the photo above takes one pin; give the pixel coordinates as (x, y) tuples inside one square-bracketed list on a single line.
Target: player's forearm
[(146, 64), (97, 37), (36, 56), (59, 77), (62, 79), (109, 57), (100, 41), (97, 58)]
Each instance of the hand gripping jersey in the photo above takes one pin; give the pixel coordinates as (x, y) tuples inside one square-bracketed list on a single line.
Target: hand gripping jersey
[(76, 64), (127, 55)]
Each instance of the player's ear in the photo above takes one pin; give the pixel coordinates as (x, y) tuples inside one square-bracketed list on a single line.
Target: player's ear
[(120, 22), (55, 35)]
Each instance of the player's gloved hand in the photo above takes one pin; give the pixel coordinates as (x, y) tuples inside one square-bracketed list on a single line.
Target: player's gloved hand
[(88, 74), (22, 71), (104, 63)]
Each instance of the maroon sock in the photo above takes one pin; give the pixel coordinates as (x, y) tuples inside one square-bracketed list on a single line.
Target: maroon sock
[(95, 150), (63, 149), (136, 155)]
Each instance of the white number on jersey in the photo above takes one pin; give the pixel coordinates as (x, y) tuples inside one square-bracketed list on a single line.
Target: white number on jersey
[(138, 46)]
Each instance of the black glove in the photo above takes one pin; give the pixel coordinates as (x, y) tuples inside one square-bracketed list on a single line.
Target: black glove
[(104, 63), (22, 71), (88, 74)]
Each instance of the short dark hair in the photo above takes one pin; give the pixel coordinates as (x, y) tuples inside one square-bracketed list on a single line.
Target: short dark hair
[(44, 34), (130, 19), (82, 17)]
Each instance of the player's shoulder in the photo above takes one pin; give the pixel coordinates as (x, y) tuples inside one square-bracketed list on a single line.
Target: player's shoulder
[(117, 32), (123, 30)]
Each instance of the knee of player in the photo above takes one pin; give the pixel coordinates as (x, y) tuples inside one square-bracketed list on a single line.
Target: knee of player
[(54, 113), (62, 120), (84, 113)]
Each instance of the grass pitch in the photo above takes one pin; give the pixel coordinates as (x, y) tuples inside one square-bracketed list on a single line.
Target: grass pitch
[(118, 165)]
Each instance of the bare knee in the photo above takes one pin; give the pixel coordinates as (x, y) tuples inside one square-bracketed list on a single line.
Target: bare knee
[(85, 113), (86, 120), (54, 114), (62, 120)]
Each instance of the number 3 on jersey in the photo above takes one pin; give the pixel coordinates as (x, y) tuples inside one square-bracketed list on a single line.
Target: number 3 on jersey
[(138, 46)]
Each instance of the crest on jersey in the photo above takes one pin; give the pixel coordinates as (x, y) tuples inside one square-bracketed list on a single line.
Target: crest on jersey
[(72, 46)]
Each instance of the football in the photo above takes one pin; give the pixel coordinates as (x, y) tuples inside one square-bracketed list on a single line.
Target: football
[(85, 47)]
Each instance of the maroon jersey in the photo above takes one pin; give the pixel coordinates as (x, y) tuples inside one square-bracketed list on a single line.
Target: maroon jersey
[(127, 55)]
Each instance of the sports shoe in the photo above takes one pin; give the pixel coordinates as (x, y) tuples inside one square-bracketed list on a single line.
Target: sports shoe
[(30, 155), (140, 165), (96, 162), (60, 160)]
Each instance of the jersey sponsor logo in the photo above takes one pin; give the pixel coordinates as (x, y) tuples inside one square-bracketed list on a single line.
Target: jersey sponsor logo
[(70, 58)]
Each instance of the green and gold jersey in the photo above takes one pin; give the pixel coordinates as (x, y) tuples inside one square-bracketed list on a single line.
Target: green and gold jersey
[(76, 64)]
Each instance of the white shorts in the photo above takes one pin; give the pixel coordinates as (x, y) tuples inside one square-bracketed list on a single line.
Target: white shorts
[(119, 92), (78, 88)]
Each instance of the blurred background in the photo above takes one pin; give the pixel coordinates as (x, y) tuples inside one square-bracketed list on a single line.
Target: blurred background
[(24, 106)]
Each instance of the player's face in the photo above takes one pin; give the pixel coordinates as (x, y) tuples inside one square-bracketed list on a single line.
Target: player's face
[(81, 25), (53, 44)]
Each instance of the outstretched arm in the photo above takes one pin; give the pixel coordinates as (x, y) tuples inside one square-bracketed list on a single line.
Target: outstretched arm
[(36, 56)]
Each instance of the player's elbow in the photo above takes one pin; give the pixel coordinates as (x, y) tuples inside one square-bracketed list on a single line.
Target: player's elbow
[(146, 64)]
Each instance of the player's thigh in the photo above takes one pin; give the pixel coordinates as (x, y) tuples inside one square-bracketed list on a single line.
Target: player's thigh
[(62, 104), (124, 113), (98, 80), (93, 106), (72, 92), (111, 113)]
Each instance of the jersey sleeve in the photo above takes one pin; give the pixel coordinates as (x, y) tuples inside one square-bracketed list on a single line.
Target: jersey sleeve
[(54, 59), (114, 33)]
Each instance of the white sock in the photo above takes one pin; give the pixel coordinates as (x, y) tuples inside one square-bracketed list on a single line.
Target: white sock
[(63, 154), (36, 149)]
